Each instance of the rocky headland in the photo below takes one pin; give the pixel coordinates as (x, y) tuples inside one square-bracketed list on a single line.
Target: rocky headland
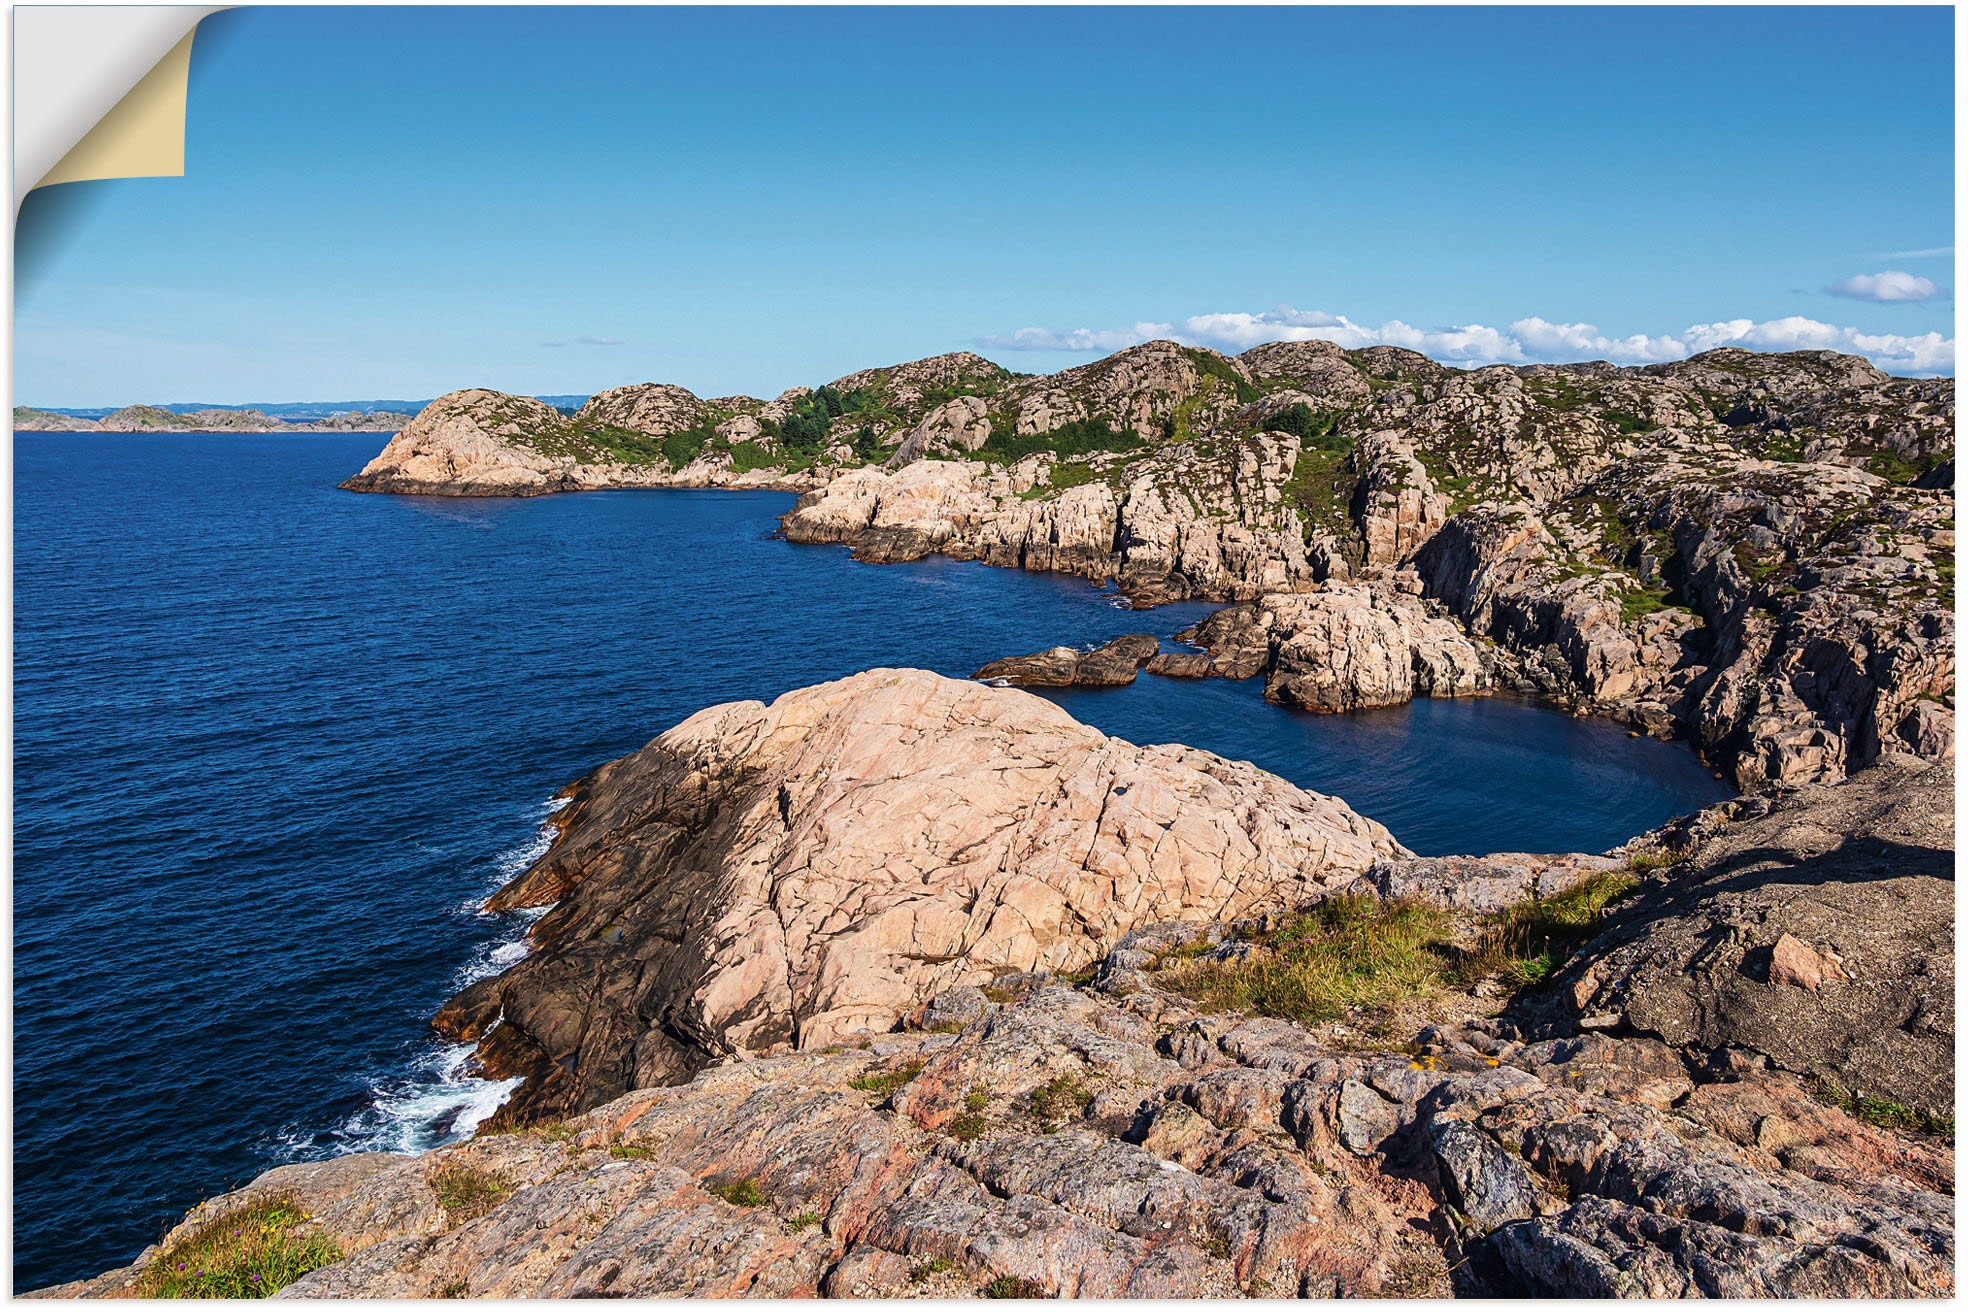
[(906, 986), (1751, 551)]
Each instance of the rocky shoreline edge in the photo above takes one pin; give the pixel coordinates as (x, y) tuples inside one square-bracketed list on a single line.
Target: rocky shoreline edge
[(910, 986)]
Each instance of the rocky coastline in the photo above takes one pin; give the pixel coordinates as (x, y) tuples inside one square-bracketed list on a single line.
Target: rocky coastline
[(1753, 552), (909, 986), (904, 985)]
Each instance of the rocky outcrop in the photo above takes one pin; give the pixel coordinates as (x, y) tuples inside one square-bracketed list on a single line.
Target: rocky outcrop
[(1111, 665), (768, 878), (484, 443), (1184, 522), (1816, 930), (1340, 648), (1118, 1140)]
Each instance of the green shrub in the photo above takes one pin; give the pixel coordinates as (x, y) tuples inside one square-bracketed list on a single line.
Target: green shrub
[(1013, 1287), (1079, 438), (1316, 427), (740, 1193), (965, 1126), (799, 1221), (747, 456), (249, 1252)]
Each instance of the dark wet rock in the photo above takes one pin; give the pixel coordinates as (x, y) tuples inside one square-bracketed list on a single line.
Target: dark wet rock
[(1111, 665)]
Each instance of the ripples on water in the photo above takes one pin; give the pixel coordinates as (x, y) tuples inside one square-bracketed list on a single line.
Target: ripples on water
[(274, 743)]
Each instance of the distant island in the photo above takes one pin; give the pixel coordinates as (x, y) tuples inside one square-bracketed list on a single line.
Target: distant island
[(156, 419)]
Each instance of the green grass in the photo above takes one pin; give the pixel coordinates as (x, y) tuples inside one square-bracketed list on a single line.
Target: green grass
[(1529, 942), (1638, 602), (628, 1152), (1656, 858), (965, 1126), (888, 1081), (1351, 952), (799, 1221), (1355, 953), (1884, 1113), (466, 1192), (740, 1193), (247, 1253)]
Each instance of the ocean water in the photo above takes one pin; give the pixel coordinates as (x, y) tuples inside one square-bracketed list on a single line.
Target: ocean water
[(275, 742)]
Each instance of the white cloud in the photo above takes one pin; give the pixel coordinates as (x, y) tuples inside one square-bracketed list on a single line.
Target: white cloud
[(587, 341), (1932, 252), (1527, 341), (1892, 285)]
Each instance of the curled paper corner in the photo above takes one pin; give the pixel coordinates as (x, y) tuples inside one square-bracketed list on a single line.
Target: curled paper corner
[(78, 117)]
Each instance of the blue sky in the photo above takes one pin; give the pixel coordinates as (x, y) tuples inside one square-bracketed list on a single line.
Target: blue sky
[(386, 202)]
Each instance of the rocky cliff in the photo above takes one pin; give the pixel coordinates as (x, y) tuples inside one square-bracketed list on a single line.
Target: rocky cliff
[(1705, 1102)]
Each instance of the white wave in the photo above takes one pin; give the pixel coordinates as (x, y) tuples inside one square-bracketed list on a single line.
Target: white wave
[(436, 1100)]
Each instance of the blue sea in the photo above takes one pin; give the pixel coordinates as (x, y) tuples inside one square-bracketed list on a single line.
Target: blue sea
[(274, 743)]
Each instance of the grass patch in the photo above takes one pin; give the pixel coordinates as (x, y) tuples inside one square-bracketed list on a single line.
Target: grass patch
[(1638, 602), (799, 1221), (740, 1193), (247, 1253), (1352, 951), (1884, 1112), (1656, 858), (887, 1082), (1013, 1287), (1527, 943), (466, 1192), (965, 1126), (628, 1152)]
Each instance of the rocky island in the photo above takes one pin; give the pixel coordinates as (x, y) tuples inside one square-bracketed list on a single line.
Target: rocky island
[(150, 419), (905, 985)]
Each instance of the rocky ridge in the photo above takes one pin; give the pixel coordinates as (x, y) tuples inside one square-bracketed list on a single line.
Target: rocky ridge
[(1104, 1134)]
